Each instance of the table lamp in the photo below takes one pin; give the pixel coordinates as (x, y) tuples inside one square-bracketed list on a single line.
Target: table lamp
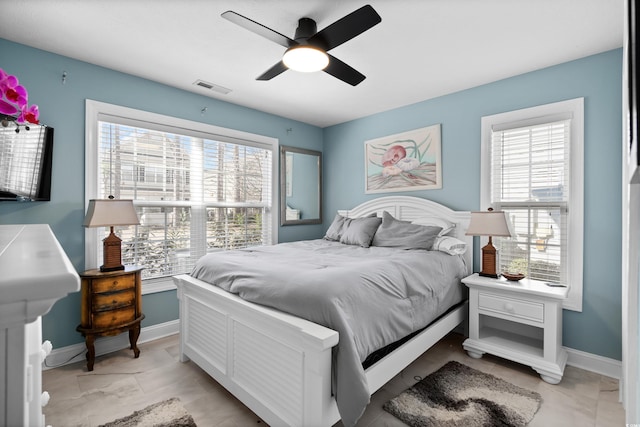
[(109, 213), (489, 223)]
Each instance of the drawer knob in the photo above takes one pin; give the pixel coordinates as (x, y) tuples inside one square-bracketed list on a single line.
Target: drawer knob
[(44, 399), (45, 349), (509, 307)]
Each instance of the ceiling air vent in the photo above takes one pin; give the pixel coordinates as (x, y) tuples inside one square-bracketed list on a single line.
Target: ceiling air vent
[(211, 86)]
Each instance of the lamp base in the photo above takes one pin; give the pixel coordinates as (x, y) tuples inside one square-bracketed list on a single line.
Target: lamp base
[(112, 253), (115, 268), (489, 257), (482, 273)]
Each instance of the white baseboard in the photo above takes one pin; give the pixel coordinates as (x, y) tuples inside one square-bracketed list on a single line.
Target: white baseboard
[(594, 363), (76, 352)]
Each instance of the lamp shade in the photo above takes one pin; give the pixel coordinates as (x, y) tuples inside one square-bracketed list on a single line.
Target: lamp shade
[(489, 223), (305, 58), (110, 212)]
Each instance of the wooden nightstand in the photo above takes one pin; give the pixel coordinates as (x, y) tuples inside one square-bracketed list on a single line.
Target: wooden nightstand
[(111, 304), (520, 321)]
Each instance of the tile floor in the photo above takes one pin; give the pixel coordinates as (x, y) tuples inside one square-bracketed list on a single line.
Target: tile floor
[(120, 384)]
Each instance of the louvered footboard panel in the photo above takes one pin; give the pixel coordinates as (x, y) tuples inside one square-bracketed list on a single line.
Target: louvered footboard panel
[(206, 333), (277, 364), (270, 371)]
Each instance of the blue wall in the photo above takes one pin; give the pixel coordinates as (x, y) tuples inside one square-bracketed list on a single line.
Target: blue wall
[(597, 329), (597, 78), (63, 107)]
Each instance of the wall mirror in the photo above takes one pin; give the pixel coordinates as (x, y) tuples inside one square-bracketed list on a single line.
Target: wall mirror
[(300, 186)]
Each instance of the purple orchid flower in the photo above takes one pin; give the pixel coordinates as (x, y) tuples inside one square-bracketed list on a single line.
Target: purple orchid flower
[(14, 100)]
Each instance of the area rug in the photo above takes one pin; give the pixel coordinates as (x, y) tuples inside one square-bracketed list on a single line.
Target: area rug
[(457, 395), (168, 413)]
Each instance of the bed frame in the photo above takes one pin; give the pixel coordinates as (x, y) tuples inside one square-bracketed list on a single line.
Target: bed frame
[(279, 365)]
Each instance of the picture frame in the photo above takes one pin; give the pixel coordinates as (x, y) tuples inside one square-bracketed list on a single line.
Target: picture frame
[(407, 161)]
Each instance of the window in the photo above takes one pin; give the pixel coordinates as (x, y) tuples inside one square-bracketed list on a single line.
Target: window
[(532, 168), (197, 188)]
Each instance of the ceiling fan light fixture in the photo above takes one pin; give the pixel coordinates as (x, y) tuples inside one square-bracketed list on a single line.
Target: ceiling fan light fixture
[(305, 58)]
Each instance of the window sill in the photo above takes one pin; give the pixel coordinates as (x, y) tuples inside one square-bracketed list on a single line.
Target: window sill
[(152, 286)]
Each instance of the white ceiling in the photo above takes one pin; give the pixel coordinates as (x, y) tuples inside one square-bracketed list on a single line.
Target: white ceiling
[(422, 48)]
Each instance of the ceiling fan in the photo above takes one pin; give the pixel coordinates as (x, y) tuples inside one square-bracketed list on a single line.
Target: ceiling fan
[(311, 45)]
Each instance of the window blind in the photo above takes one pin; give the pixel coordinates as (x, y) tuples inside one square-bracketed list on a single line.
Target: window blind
[(530, 179), (194, 192)]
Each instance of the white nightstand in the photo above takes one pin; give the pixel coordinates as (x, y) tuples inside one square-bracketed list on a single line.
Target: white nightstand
[(520, 321)]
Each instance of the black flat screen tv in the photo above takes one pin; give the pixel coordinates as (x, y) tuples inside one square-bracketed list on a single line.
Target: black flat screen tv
[(26, 158)]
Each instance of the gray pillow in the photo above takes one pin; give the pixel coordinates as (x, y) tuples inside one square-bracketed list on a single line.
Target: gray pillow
[(394, 233), (335, 229), (359, 231)]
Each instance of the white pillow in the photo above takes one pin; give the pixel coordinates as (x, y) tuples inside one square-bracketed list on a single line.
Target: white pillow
[(434, 221), (449, 245)]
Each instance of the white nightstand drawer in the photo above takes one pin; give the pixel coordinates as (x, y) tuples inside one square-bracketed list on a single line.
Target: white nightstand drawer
[(511, 306)]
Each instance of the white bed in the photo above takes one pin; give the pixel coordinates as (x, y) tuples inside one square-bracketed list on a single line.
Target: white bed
[(279, 365)]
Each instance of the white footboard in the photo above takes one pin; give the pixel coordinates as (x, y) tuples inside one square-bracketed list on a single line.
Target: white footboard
[(276, 364)]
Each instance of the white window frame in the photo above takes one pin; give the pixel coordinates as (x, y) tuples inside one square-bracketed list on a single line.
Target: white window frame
[(528, 116), (93, 109)]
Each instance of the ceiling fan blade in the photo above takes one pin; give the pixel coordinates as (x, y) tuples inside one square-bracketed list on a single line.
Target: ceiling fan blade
[(277, 69), (346, 28), (344, 72), (258, 28)]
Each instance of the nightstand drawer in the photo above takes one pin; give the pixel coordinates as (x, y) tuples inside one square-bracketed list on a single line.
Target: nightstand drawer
[(107, 319), (111, 284), (114, 300), (511, 307)]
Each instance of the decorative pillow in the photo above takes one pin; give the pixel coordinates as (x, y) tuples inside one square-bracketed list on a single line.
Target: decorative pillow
[(335, 229), (449, 245), (359, 231), (403, 234), (434, 221)]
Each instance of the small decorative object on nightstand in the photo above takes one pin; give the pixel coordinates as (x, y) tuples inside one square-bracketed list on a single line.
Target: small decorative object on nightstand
[(513, 276), (111, 304), (520, 321)]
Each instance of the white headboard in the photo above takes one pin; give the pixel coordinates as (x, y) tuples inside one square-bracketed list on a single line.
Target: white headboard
[(408, 208)]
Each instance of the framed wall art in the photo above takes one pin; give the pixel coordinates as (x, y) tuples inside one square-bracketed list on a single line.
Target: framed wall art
[(406, 161)]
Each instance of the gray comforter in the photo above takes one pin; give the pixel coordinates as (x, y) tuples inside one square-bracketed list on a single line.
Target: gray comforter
[(371, 296)]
